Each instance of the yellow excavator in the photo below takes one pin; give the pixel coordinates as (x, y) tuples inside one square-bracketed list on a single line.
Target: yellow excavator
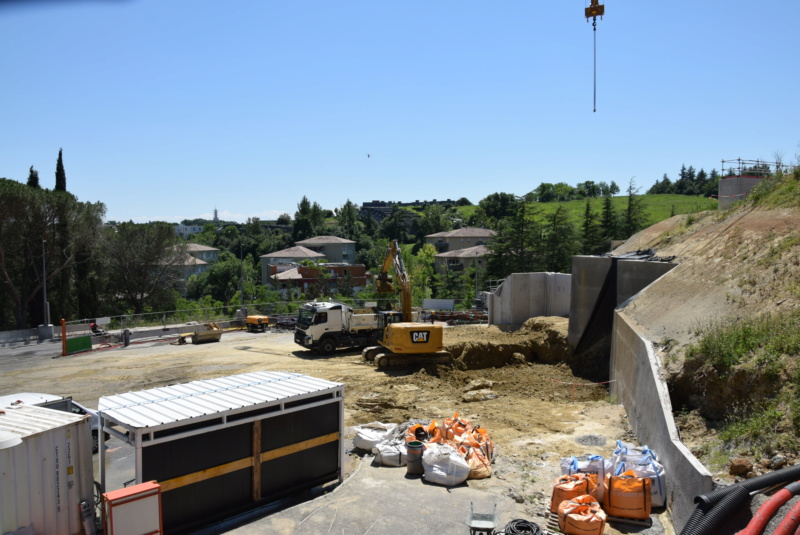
[(403, 342)]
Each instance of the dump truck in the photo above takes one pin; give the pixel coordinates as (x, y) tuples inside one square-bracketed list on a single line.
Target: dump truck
[(325, 326)]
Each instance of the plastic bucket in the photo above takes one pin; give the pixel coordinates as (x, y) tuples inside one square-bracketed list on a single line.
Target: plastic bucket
[(415, 449)]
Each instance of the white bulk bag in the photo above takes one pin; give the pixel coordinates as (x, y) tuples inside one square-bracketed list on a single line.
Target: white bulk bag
[(444, 465), (590, 464), (370, 435), (391, 453)]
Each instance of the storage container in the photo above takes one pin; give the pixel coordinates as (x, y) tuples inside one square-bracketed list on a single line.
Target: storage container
[(48, 473), (221, 446)]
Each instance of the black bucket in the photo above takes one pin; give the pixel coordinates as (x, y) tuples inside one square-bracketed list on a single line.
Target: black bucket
[(415, 449)]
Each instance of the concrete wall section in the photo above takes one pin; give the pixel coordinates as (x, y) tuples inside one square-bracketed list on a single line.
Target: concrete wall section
[(588, 275), (637, 384), (529, 295), (735, 189), (635, 275)]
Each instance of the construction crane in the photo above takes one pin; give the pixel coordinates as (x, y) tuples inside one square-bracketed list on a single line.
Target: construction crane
[(595, 9)]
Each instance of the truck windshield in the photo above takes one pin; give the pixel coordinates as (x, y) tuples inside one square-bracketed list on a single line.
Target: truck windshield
[(304, 318)]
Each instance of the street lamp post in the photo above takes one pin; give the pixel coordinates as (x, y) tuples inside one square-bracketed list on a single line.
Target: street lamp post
[(46, 321)]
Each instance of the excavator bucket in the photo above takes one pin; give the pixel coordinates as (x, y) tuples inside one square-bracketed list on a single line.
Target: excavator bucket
[(384, 283)]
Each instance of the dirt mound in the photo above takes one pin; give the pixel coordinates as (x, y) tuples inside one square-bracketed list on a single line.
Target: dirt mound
[(476, 347)]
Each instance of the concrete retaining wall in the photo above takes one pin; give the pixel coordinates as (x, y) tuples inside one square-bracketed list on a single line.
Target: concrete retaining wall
[(528, 295), (637, 384), (588, 276), (22, 335)]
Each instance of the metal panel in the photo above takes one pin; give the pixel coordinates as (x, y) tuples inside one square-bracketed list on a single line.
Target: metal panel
[(45, 478)]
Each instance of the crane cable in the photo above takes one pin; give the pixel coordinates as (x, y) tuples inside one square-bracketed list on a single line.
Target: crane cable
[(595, 9), (594, 31)]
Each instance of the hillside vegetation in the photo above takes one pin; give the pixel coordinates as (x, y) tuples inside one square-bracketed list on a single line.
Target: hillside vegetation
[(725, 324)]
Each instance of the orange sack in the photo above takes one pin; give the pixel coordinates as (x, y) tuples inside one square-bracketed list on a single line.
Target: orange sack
[(628, 495), (424, 433), (567, 487), (455, 428), (479, 466), (581, 516)]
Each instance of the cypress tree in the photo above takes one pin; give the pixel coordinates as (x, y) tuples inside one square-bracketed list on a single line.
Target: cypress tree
[(61, 176), (33, 178)]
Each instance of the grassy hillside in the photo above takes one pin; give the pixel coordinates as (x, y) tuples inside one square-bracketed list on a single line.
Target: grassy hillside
[(658, 207)]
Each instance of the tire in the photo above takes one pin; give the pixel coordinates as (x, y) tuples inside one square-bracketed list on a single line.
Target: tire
[(95, 441), (327, 346)]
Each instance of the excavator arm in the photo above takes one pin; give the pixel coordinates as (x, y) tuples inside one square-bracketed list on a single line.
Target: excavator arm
[(402, 282)]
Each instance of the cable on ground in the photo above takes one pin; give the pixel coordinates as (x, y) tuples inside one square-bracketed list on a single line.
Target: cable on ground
[(520, 527)]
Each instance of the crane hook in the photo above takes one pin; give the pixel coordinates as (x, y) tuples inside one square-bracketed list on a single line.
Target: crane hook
[(595, 9)]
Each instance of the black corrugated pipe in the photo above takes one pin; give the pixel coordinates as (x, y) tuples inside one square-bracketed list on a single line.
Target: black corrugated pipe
[(707, 501), (720, 512)]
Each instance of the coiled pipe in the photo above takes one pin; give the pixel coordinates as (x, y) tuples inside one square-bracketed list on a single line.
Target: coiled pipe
[(706, 502), (769, 508), (790, 522), (721, 511)]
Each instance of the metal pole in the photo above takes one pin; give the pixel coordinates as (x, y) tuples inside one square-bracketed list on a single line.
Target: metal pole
[(44, 286), (241, 278)]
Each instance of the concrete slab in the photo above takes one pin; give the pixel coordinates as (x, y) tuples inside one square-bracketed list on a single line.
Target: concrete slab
[(379, 499)]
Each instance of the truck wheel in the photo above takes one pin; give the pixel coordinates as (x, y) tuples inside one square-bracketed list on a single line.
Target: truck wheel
[(327, 346)]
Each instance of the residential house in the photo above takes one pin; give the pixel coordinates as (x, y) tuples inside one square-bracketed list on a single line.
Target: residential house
[(333, 248), (338, 275), (184, 231), (285, 259), (462, 238), (203, 252), (462, 259)]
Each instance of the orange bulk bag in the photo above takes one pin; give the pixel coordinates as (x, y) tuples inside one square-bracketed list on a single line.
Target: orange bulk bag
[(424, 433), (567, 487), (481, 436), (479, 465), (628, 495), (581, 516), (453, 428)]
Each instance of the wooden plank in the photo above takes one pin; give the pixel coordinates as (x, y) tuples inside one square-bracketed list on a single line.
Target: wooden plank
[(256, 460), (299, 446), (208, 473)]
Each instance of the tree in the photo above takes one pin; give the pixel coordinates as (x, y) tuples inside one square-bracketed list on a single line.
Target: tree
[(463, 201), (284, 219), (434, 219), (591, 237), (559, 242), (144, 263), (497, 206), (61, 176), (308, 220), (32, 224), (348, 222), (635, 213), (395, 226), (609, 221), (613, 189), (33, 178), (515, 248)]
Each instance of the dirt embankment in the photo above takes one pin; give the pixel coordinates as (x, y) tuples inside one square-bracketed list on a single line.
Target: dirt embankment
[(731, 265)]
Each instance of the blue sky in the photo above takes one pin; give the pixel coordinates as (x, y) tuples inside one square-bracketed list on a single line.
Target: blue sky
[(168, 109)]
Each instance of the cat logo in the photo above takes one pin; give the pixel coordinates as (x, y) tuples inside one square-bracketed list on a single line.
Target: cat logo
[(420, 337)]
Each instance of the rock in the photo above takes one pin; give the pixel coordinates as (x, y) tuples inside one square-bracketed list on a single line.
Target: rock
[(518, 358), (516, 496), (478, 395), (739, 466), (478, 384), (750, 475), (777, 462)]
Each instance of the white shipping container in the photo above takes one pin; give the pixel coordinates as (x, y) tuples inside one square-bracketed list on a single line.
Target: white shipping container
[(45, 477)]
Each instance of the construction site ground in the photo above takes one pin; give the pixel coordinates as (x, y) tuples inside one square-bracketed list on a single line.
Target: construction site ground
[(535, 409)]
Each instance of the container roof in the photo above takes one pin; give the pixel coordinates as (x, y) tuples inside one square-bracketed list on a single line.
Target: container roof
[(167, 405), (27, 420)]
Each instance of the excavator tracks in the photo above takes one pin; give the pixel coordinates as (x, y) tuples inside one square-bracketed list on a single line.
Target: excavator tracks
[(393, 360)]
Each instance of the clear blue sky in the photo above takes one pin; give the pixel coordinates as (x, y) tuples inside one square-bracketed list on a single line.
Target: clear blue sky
[(168, 109)]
